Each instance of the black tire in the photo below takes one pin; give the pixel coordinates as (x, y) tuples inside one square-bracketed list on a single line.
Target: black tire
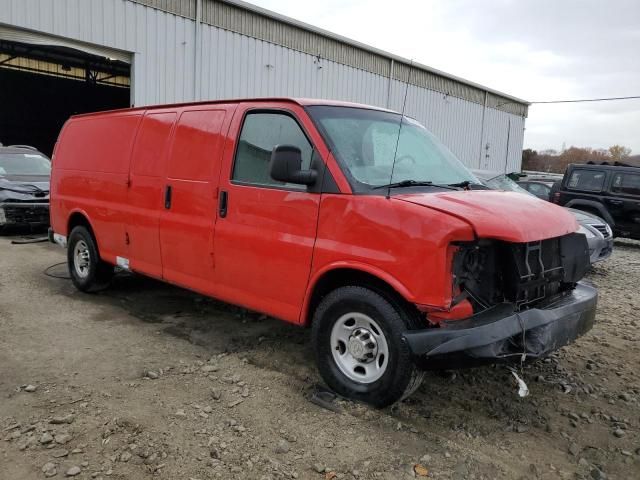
[(98, 273), (400, 378)]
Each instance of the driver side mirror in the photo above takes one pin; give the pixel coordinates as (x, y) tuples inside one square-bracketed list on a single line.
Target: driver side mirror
[(286, 166)]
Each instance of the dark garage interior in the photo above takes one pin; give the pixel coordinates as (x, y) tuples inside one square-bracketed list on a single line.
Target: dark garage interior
[(42, 86)]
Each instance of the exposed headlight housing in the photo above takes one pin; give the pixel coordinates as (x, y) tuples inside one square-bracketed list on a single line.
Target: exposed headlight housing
[(585, 231), (609, 231)]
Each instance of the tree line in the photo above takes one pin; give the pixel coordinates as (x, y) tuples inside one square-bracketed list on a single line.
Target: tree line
[(554, 161)]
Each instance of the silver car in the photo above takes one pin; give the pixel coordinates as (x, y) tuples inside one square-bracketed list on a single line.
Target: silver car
[(597, 231)]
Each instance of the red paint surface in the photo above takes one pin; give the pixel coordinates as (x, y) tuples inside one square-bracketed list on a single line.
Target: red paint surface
[(507, 216)]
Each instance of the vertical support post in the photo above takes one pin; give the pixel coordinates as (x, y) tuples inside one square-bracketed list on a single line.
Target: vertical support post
[(132, 81), (484, 111), (506, 157), (197, 53), (391, 65)]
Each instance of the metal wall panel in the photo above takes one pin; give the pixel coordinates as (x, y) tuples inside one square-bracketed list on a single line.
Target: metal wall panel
[(254, 23), (500, 156), (234, 65), (184, 8)]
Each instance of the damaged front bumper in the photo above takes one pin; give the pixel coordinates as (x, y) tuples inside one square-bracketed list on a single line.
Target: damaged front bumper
[(502, 334), (24, 213)]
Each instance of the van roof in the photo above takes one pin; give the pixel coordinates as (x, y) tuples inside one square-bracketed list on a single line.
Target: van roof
[(304, 102)]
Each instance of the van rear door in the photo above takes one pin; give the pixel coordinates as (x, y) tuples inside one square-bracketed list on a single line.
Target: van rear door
[(147, 181), (188, 216)]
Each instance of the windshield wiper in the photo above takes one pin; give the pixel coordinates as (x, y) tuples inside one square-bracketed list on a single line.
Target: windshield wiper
[(414, 183), (405, 183), (463, 184), (466, 184)]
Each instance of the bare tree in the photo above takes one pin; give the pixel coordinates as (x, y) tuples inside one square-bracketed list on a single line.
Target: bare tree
[(552, 161), (619, 152)]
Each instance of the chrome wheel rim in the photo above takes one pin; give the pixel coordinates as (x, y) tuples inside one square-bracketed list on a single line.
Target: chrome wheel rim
[(359, 347), (81, 258)]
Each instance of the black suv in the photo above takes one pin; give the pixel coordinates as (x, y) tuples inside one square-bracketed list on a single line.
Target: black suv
[(608, 191)]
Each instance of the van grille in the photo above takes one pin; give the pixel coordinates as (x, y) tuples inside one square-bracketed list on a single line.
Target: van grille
[(523, 274), (531, 271)]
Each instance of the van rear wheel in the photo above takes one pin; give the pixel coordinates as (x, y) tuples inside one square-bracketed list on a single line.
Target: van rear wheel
[(88, 272), (357, 337)]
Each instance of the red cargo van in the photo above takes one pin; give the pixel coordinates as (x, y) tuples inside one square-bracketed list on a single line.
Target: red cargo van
[(349, 219)]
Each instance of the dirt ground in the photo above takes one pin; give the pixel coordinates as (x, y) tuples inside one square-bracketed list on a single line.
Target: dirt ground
[(147, 380)]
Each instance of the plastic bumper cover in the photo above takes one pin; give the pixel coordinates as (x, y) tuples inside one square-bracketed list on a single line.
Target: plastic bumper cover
[(18, 213), (604, 251), (503, 333)]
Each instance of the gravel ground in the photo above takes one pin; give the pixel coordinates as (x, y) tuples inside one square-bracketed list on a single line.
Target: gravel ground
[(146, 380)]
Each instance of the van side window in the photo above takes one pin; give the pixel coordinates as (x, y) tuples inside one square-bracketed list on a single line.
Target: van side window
[(591, 180), (626, 183), (261, 132)]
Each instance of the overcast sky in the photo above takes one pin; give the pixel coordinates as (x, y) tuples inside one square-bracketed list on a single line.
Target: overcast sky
[(532, 49)]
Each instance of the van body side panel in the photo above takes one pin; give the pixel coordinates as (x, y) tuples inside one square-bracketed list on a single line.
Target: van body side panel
[(264, 245), (263, 255), (92, 173), (403, 244), (187, 221), (146, 191)]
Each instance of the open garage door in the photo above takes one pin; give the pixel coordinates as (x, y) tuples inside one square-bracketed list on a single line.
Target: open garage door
[(42, 85)]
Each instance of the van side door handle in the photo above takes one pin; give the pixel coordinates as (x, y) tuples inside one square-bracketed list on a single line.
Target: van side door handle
[(222, 205), (167, 197)]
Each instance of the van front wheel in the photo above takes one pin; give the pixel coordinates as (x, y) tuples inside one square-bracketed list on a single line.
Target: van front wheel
[(357, 337), (87, 271)]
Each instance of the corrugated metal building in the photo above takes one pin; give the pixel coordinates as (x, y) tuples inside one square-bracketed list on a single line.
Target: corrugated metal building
[(164, 51)]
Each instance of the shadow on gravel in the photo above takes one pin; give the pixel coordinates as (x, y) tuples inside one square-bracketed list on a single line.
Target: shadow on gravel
[(480, 401), (22, 231), (212, 324), (626, 243)]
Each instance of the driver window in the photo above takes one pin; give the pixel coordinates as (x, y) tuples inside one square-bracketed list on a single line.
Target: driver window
[(261, 132)]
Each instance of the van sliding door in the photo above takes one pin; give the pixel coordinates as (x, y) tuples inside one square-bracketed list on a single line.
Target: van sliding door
[(189, 206)]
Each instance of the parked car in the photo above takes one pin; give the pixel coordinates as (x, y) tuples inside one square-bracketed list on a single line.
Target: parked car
[(608, 191), (24, 187), (302, 210), (596, 230), (539, 188)]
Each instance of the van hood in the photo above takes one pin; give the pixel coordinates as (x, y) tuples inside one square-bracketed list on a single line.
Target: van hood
[(507, 216)]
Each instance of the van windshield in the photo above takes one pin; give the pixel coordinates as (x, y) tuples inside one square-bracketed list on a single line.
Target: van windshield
[(364, 143)]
